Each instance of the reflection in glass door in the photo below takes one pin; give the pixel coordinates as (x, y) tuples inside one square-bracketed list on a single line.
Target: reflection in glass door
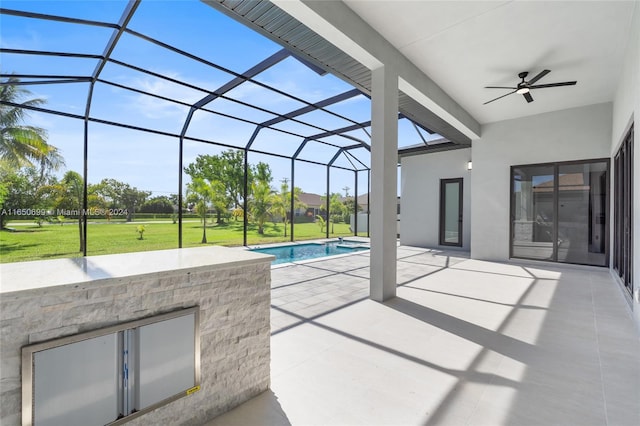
[(582, 207), (451, 212), (532, 212), (559, 212)]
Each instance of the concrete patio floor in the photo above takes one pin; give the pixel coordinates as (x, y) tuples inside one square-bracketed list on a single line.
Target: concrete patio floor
[(465, 342)]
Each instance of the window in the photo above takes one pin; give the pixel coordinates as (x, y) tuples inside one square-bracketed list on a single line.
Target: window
[(451, 212), (623, 213), (559, 212)]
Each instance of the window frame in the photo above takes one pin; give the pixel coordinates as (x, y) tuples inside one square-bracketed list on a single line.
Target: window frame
[(556, 167), (442, 209), (623, 211)]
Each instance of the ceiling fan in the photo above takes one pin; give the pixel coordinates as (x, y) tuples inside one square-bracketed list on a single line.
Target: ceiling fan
[(524, 87)]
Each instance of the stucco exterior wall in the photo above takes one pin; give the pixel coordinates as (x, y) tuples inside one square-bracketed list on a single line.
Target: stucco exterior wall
[(626, 110), (420, 199), (573, 134)]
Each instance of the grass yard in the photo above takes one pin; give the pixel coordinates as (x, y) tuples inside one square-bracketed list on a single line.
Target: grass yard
[(27, 241)]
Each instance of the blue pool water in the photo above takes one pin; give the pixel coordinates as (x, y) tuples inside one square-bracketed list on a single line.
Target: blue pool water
[(297, 252)]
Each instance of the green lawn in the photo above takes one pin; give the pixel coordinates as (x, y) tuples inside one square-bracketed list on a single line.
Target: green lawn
[(30, 242)]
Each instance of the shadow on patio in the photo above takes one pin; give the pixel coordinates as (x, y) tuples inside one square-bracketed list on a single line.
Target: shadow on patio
[(466, 342)]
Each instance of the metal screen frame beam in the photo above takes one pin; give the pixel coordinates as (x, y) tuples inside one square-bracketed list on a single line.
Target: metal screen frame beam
[(301, 111), (122, 27), (118, 30)]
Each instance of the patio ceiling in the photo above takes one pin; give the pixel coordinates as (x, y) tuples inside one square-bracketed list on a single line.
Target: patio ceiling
[(467, 45), (461, 47), (271, 21)]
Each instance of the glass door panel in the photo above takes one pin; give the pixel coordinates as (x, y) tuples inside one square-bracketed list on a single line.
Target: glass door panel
[(451, 212), (623, 212), (533, 231), (582, 208), (559, 212)]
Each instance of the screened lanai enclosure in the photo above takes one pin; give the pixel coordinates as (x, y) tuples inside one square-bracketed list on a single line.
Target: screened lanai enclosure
[(163, 115)]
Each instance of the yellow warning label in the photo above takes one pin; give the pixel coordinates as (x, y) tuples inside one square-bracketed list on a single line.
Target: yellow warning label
[(193, 390)]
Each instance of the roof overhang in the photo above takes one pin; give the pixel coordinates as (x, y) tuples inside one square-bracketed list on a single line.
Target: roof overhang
[(347, 59), (433, 146)]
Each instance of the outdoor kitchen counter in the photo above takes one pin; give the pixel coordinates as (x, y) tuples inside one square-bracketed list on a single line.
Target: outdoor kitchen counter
[(44, 276), (48, 299)]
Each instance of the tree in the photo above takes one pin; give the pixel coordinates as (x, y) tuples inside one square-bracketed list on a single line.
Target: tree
[(336, 209), (219, 201), (349, 205), (22, 145), (237, 213), (52, 160), (69, 194), (23, 189), (159, 204), (201, 192), (140, 230), (281, 203), (121, 195), (261, 172), (174, 199), (4, 191), (260, 206), (228, 168)]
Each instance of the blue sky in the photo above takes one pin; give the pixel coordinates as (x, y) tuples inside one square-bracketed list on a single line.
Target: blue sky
[(150, 161)]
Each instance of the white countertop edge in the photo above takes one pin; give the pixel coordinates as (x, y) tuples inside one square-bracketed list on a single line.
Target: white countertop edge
[(87, 272)]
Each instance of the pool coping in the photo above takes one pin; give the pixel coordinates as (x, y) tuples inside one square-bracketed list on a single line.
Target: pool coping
[(364, 240)]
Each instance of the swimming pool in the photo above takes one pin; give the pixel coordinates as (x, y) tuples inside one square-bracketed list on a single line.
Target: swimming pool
[(296, 252)]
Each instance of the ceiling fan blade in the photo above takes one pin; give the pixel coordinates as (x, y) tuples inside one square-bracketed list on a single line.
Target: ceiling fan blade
[(499, 97), (528, 97), (539, 76), (542, 86), (500, 87)]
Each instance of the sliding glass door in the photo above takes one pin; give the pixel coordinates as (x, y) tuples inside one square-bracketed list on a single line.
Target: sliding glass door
[(623, 212), (559, 212)]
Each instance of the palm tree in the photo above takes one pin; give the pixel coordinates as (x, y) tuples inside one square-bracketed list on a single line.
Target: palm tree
[(260, 206), (69, 193), (201, 192), (22, 145), (281, 203), (51, 160), (337, 209)]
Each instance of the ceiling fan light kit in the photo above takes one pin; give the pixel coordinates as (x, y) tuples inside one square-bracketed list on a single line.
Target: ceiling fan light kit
[(524, 87)]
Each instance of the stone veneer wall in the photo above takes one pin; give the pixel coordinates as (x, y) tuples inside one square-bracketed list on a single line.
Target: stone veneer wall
[(234, 329)]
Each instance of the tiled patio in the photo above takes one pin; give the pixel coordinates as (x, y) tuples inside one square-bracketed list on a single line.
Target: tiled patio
[(466, 342)]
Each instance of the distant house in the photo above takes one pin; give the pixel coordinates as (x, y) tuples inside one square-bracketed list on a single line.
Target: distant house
[(363, 202), (313, 203)]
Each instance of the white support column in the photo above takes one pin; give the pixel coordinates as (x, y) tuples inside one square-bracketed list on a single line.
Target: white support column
[(384, 182)]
